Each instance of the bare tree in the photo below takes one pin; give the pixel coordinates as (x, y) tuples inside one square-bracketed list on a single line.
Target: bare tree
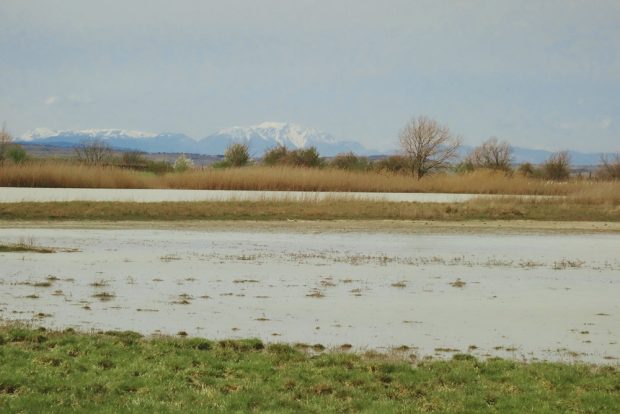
[(427, 145), (492, 154), (133, 159), (610, 167), (557, 167), (6, 139), (93, 152)]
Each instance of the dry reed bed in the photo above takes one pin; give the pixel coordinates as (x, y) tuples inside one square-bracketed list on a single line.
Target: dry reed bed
[(66, 175)]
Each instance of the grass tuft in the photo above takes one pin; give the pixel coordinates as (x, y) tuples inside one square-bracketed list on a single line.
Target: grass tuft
[(24, 247)]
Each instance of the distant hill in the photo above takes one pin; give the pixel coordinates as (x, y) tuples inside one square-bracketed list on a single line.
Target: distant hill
[(537, 156)]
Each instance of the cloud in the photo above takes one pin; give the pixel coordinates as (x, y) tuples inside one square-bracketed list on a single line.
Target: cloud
[(604, 123), (51, 100), (77, 99), (356, 68)]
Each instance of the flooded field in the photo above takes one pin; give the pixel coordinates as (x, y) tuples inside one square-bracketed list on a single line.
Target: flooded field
[(523, 296), (18, 194)]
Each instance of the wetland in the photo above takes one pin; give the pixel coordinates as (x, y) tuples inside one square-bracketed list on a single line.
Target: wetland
[(526, 295)]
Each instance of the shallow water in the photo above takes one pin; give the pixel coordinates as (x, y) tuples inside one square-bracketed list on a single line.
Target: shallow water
[(525, 296), (19, 194)]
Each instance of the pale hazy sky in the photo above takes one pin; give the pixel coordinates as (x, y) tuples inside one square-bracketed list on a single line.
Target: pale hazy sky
[(541, 73)]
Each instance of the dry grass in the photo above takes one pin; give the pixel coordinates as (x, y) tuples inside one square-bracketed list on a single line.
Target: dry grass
[(308, 179), (68, 175), (500, 209), (23, 247)]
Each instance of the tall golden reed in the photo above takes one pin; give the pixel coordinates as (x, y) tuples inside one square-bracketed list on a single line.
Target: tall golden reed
[(67, 175)]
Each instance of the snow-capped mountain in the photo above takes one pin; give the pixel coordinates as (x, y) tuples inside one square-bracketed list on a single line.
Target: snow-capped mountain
[(45, 133), (259, 138), (290, 135), (116, 138), (269, 134)]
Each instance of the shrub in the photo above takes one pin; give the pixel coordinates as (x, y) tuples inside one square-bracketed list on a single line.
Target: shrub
[(237, 155), (527, 169), (557, 167), (159, 167), (308, 157), (16, 153), (465, 166), (5, 142), (275, 155), (349, 161), (183, 163), (134, 160), (393, 163), (303, 157)]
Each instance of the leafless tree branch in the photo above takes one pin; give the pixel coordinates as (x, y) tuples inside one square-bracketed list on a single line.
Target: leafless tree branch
[(93, 152), (427, 145), (491, 154)]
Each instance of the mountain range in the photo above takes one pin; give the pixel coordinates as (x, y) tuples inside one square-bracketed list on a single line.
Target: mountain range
[(259, 138)]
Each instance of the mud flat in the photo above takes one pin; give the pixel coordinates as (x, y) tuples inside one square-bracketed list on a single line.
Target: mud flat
[(527, 296)]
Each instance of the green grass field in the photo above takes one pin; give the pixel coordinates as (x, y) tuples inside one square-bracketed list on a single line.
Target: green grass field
[(58, 372)]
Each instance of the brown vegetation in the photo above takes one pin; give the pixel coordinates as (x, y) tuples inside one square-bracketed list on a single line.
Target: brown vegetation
[(610, 167), (502, 208), (69, 175), (23, 247), (282, 178), (557, 167), (93, 152), (492, 155)]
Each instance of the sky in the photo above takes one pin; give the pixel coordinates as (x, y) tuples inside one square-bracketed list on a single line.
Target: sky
[(538, 74)]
